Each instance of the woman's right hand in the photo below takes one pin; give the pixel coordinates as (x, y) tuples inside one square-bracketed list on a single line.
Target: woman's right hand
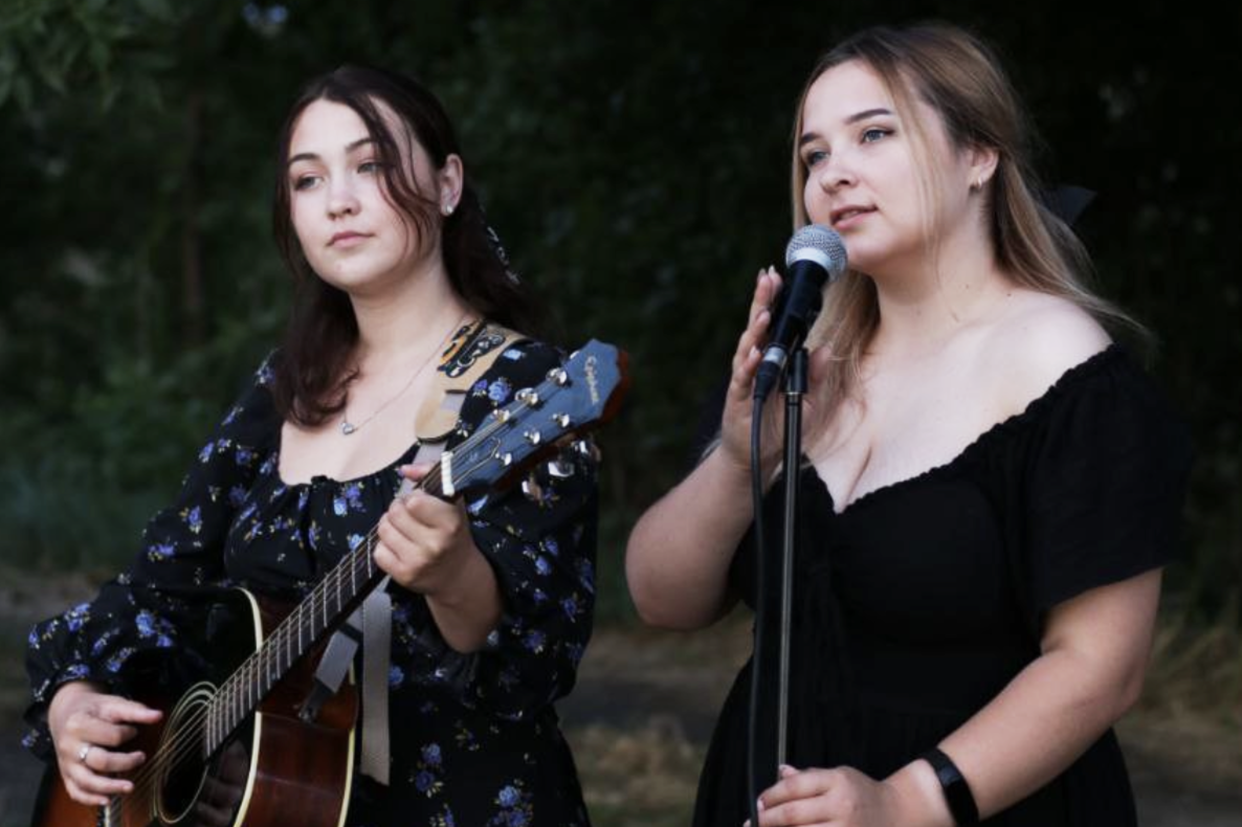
[(87, 727), (739, 400), (739, 405)]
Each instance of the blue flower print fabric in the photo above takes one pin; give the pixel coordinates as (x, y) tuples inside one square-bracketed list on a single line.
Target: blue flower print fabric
[(474, 737)]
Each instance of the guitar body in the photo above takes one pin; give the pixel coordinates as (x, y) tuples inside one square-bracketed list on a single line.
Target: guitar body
[(233, 751), (273, 769)]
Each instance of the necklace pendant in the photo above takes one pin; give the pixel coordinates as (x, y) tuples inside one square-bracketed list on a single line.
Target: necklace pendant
[(347, 427)]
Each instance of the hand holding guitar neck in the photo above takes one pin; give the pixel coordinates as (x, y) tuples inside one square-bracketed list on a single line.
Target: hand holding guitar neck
[(426, 547)]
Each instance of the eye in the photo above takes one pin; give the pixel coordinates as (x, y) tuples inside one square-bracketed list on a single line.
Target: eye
[(370, 167), (874, 134), (305, 182), (814, 157)]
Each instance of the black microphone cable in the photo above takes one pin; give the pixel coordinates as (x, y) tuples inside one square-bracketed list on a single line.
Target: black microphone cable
[(819, 255), (756, 479)]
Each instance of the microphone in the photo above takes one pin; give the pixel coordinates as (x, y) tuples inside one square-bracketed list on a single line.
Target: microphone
[(815, 257)]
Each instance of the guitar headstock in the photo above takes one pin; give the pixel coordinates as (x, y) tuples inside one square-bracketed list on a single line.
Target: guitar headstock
[(574, 398)]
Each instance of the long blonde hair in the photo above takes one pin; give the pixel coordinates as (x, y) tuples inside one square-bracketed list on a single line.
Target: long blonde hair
[(959, 77)]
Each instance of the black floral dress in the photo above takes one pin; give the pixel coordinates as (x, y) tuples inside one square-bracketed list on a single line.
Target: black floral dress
[(474, 738)]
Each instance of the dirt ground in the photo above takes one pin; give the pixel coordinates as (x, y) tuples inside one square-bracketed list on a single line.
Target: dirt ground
[(642, 713)]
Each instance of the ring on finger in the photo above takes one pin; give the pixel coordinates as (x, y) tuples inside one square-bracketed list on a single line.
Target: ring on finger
[(85, 751)]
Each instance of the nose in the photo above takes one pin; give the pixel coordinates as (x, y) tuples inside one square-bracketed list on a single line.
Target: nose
[(342, 200), (836, 172)]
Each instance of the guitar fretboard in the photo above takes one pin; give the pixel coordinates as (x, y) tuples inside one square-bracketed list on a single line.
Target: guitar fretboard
[(338, 593), (352, 579)]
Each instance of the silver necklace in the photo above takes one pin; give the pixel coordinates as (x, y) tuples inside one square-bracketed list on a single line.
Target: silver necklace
[(348, 427)]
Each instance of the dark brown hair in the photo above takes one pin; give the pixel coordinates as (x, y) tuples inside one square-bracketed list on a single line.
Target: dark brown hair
[(312, 367)]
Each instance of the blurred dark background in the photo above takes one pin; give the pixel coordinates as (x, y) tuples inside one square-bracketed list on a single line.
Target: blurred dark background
[(634, 158)]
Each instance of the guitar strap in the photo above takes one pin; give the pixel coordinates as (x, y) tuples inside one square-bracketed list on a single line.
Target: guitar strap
[(470, 353)]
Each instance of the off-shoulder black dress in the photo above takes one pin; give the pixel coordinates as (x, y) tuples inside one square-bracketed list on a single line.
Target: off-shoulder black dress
[(917, 604), (474, 738)]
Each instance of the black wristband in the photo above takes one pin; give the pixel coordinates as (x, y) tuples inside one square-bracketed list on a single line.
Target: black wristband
[(956, 791)]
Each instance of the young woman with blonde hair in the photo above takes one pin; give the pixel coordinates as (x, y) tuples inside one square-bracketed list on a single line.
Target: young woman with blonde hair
[(990, 485)]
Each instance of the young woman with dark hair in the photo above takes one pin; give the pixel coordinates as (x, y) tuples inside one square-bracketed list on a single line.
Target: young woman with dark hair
[(990, 484), (401, 287), (323, 328)]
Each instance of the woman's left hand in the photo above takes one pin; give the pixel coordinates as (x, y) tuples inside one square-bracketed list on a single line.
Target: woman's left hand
[(842, 796), (425, 542)]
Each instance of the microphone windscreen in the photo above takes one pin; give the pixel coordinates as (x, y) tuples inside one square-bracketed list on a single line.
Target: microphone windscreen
[(820, 244)]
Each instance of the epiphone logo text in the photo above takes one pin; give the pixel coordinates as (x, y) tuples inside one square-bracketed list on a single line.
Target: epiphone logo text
[(592, 381)]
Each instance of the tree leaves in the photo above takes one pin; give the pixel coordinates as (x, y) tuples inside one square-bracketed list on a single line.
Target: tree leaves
[(633, 157)]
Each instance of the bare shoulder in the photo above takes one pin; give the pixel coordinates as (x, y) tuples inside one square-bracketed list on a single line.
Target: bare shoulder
[(1035, 342)]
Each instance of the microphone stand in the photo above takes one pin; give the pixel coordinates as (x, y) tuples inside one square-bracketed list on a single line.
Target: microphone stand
[(795, 388)]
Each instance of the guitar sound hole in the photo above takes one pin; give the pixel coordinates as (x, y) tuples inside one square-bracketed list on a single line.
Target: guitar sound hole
[(223, 788), (194, 790), (183, 783)]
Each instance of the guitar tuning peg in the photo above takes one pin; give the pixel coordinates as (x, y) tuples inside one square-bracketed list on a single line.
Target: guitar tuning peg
[(560, 470), (533, 437), (558, 376), (586, 448), (529, 397), (532, 489), (561, 419), (501, 414), (505, 459)]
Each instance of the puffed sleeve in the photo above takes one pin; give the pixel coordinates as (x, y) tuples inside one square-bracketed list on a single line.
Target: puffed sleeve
[(129, 621), (1103, 475), (540, 541)]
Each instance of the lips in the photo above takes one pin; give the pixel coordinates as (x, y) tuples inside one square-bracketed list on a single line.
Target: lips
[(844, 215), (346, 238)]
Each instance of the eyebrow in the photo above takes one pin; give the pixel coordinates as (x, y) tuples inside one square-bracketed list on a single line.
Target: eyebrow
[(855, 118), (350, 147)]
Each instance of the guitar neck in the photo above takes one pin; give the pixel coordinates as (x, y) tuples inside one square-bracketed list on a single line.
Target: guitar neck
[(332, 600), (575, 397)]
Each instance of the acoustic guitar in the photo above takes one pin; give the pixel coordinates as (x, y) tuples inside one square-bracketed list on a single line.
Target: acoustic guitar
[(240, 746)]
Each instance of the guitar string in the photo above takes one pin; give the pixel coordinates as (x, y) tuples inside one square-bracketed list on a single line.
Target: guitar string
[(284, 632), (188, 738), (250, 671), (185, 744), (190, 733), (174, 752)]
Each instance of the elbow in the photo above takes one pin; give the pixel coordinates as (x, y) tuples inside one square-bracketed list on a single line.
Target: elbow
[(646, 607), (671, 586), (1128, 691), (673, 623), (1095, 690), (650, 605), (644, 583), (659, 616), (675, 614), (661, 604), (1122, 685), (1116, 693)]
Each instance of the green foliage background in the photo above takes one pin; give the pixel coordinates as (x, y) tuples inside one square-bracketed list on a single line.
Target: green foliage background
[(632, 155)]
